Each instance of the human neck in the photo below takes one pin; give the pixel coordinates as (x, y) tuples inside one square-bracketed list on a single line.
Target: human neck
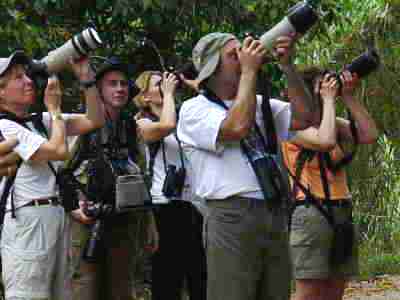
[(224, 89), (19, 110), (112, 113)]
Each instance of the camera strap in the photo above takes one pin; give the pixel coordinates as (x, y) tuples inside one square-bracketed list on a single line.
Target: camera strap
[(180, 152), (254, 146)]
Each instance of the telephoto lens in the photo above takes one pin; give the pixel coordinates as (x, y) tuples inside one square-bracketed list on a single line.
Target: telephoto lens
[(364, 64), (300, 19), (79, 46), (94, 247)]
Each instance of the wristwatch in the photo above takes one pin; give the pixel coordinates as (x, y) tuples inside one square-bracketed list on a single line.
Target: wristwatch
[(57, 116), (86, 84)]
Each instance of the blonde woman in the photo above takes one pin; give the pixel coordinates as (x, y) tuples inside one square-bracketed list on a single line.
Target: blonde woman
[(180, 254)]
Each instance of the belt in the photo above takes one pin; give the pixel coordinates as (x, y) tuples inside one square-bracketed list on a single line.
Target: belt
[(43, 201), (332, 203)]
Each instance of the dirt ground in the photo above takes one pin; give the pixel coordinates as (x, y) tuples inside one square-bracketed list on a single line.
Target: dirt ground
[(386, 287), (381, 288)]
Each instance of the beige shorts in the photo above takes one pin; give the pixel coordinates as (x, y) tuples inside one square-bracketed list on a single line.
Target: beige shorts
[(34, 253), (310, 242)]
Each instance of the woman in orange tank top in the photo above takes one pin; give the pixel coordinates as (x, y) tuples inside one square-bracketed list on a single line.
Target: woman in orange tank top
[(311, 158)]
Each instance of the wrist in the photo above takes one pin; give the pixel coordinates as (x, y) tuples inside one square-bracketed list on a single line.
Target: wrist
[(56, 116), (329, 99), (54, 110), (249, 71)]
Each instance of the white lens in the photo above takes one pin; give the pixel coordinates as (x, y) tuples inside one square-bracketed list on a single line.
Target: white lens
[(283, 28), (79, 45), (92, 38)]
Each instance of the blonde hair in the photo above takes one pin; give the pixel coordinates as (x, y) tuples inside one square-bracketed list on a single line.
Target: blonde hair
[(143, 83)]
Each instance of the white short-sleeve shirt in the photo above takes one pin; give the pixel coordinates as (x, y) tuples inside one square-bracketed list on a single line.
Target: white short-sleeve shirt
[(34, 180), (172, 156), (220, 170)]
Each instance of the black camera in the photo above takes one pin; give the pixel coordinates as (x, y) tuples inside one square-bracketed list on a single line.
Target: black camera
[(364, 64), (94, 247), (99, 210), (94, 244), (174, 182), (68, 189)]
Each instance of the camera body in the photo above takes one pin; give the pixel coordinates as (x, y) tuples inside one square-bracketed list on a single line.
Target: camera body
[(362, 65), (174, 182), (68, 189), (300, 19), (78, 46)]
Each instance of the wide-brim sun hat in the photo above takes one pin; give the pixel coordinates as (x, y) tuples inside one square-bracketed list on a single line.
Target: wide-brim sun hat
[(206, 53)]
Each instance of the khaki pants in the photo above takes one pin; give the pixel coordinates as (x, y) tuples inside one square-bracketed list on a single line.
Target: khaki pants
[(34, 252), (247, 251), (111, 277)]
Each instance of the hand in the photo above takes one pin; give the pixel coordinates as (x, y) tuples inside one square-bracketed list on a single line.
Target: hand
[(78, 214), (81, 69), (284, 49), (53, 95), (329, 88), (349, 83), (192, 83), (8, 158), (169, 83), (251, 55)]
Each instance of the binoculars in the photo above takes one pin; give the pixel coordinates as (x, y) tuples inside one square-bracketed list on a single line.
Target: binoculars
[(300, 19), (78, 46)]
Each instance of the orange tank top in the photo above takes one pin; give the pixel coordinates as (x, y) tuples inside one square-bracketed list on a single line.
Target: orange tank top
[(311, 175)]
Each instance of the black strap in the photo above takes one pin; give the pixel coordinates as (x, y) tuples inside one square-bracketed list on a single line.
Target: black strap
[(165, 156), (4, 196), (270, 131), (35, 119)]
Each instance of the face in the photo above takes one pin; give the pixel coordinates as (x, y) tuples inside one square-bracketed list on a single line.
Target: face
[(229, 64), (19, 89), (114, 89), (153, 93)]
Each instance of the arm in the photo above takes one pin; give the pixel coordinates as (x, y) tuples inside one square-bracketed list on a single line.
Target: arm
[(300, 97), (8, 158), (94, 117), (154, 131), (241, 116), (56, 147), (322, 138), (365, 125)]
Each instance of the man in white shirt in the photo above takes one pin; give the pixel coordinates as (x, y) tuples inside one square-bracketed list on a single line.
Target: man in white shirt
[(246, 240)]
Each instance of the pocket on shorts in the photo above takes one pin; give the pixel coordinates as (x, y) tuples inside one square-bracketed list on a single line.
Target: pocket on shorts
[(309, 227), (28, 272)]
